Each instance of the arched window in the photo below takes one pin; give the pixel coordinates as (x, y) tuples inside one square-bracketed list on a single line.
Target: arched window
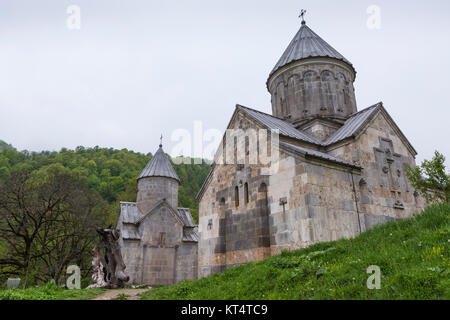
[(345, 96), (246, 192), (236, 196)]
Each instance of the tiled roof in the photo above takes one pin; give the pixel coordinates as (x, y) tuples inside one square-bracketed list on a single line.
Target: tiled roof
[(130, 232), (274, 123), (307, 44), (159, 166), (353, 124), (190, 234), (131, 217), (129, 212), (318, 154), (185, 215)]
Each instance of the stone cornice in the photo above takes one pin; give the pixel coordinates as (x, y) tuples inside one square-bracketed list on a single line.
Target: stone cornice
[(309, 61)]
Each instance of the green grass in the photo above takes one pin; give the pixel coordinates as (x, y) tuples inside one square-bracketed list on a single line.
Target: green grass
[(413, 255), (122, 296), (49, 292)]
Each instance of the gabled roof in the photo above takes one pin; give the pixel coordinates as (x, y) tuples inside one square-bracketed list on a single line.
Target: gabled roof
[(158, 205), (356, 122), (317, 154), (131, 218), (190, 234), (186, 217), (129, 212), (159, 166), (270, 122), (307, 44), (351, 128), (130, 233), (205, 182), (353, 124)]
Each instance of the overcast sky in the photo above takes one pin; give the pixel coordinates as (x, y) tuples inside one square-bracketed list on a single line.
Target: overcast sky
[(136, 69)]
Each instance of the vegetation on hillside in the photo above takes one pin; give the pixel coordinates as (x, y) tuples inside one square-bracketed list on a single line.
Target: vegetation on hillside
[(430, 179), (413, 255), (51, 203), (48, 218), (4, 146), (110, 172)]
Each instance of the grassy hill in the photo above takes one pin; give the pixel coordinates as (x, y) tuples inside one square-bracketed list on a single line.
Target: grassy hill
[(413, 255), (49, 291)]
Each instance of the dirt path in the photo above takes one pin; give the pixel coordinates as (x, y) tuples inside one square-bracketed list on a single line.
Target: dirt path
[(113, 294)]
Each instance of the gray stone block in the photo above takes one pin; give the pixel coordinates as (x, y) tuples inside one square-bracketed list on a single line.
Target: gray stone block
[(13, 283)]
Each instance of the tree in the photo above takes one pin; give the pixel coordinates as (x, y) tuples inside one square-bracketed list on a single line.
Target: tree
[(430, 179), (48, 219)]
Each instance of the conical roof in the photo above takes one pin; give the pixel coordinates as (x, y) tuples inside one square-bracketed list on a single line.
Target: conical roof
[(159, 166), (307, 44)]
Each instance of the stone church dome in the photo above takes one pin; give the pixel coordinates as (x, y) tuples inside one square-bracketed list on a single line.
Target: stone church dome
[(312, 84), (159, 166), (158, 181), (307, 44)]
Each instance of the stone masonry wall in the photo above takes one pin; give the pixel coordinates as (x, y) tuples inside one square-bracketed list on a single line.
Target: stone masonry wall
[(160, 257), (151, 190), (321, 130), (321, 87), (132, 257), (384, 192), (307, 200), (161, 234), (234, 232), (186, 262), (320, 204)]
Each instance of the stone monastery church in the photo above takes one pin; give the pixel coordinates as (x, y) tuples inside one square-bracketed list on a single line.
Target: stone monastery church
[(339, 172), (158, 240)]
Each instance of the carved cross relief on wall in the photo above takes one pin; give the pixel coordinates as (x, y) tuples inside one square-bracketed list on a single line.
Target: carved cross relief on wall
[(390, 170)]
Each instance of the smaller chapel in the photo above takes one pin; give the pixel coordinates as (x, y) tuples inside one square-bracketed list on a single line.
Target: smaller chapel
[(158, 239)]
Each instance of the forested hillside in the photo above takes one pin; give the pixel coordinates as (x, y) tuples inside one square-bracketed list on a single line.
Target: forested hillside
[(110, 172), (52, 202), (4, 145)]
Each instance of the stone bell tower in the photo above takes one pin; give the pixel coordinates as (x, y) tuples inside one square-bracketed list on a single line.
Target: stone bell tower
[(156, 182), (312, 85)]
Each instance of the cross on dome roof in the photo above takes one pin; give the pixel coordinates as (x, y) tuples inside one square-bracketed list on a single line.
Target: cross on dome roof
[(307, 44), (159, 166)]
